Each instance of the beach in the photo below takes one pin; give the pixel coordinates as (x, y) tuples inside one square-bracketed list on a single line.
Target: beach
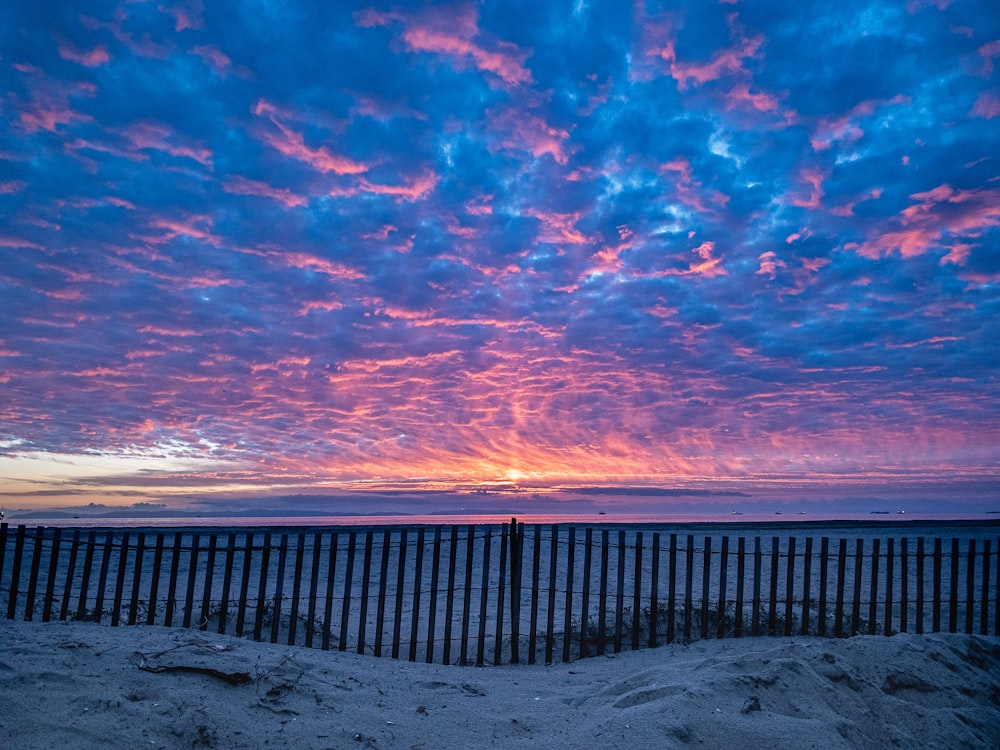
[(83, 685)]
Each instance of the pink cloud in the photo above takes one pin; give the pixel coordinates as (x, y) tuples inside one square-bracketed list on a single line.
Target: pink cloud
[(987, 105), (456, 36), (418, 188), (558, 228), (213, 57), (770, 264), (811, 198), (689, 191), (723, 63), (156, 137), (526, 132), (936, 215), (846, 128), (741, 96), (242, 186), (186, 15), (89, 58), (290, 143)]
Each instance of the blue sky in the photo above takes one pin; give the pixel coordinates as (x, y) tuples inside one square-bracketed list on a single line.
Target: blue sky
[(268, 247)]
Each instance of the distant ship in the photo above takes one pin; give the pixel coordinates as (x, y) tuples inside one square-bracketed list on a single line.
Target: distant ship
[(2, 514)]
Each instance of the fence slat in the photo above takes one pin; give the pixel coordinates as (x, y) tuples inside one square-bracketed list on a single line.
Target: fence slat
[(36, 564), (838, 612), (241, 604), (140, 552), (227, 578), (568, 608), (688, 586), (620, 592), (50, 588), (789, 585), (501, 584), (175, 565), (293, 616), (470, 553), (432, 604), (315, 551), (383, 584), (484, 596), (654, 585), (824, 564), (706, 573), (206, 594), (450, 598), (970, 584), (154, 585), (873, 590), (904, 573), (366, 575), (15, 572), (192, 577), (588, 558), (265, 559), (116, 610), (418, 577), (70, 569), (345, 613), (550, 613), (985, 600), (890, 554), (806, 584), (331, 579), (102, 580), (741, 551), (397, 622), (602, 611), (772, 607)]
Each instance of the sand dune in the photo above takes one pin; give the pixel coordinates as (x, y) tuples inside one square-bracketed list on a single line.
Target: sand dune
[(80, 685)]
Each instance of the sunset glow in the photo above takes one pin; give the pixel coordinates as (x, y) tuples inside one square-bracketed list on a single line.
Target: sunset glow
[(331, 248)]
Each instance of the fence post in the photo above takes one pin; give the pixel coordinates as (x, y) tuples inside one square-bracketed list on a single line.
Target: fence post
[(516, 560)]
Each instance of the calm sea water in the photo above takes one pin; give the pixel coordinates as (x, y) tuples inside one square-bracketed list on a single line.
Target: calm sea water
[(587, 519)]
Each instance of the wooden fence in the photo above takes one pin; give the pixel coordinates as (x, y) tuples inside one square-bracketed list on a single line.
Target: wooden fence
[(503, 593)]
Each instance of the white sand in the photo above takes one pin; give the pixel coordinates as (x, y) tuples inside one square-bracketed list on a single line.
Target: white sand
[(79, 685)]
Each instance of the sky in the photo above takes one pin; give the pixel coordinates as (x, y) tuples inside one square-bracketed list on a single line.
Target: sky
[(264, 248)]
